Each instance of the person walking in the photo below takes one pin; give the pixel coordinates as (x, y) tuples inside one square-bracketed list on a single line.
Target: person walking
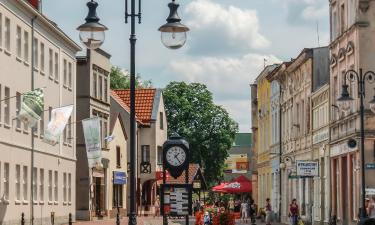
[(294, 212), (157, 207), (371, 208), (268, 210), (231, 205), (244, 211)]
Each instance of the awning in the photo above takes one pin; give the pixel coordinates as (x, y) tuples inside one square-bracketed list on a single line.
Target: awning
[(239, 185)]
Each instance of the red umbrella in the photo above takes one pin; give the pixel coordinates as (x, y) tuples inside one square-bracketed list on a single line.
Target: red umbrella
[(239, 185)]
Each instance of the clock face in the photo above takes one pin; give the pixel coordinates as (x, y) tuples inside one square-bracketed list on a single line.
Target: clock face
[(176, 156)]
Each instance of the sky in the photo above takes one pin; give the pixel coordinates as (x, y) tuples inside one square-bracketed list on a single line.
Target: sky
[(226, 46)]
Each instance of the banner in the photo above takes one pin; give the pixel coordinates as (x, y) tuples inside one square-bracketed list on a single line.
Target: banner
[(237, 164), (59, 119), (32, 107), (91, 131)]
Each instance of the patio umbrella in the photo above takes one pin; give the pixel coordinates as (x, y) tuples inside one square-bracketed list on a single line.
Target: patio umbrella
[(239, 185)]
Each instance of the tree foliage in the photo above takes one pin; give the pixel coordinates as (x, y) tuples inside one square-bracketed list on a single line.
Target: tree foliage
[(120, 79), (207, 127)]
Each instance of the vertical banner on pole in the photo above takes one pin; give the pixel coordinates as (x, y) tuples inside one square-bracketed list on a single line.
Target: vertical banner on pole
[(32, 107), (59, 119), (91, 130)]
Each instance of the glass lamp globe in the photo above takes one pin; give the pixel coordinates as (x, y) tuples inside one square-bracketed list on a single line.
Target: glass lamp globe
[(173, 40), (92, 39)]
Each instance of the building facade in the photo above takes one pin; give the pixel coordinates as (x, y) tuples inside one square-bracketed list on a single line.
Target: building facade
[(352, 46), (93, 101), (54, 69), (254, 146)]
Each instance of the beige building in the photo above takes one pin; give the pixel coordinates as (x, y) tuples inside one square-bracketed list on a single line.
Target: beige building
[(255, 144), (151, 135), (352, 47), (54, 69), (93, 101)]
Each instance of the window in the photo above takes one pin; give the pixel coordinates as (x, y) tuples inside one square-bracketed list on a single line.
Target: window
[(41, 185), (18, 109), (342, 25), (100, 87), (334, 26), (105, 129), (160, 155), (50, 62), (118, 157), (95, 85), (7, 105), (42, 60), (19, 41), (145, 153), (24, 183), (56, 186), (117, 195), (1, 108), (69, 133), (65, 72), (7, 34), (105, 89), (64, 187), (41, 124), (70, 75), (1, 30), (26, 46), (56, 67), (6, 181), (69, 187), (161, 121), (18, 182), (50, 185), (36, 53), (35, 184)]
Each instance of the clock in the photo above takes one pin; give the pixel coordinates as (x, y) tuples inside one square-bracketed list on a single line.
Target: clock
[(176, 155)]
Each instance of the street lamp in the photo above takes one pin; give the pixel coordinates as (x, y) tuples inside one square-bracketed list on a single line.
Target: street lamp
[(173, 37), (344, 103)]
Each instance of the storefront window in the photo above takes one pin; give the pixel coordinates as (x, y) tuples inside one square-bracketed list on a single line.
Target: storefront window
[(117, 195)]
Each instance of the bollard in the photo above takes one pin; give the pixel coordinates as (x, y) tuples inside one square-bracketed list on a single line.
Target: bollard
[(70, 219), (117, 218), (23, 219)]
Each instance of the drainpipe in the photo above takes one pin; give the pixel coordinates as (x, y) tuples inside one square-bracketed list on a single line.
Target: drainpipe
[(280, 154)]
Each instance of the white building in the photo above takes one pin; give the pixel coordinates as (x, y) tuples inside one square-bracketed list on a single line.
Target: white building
[(54, 70)]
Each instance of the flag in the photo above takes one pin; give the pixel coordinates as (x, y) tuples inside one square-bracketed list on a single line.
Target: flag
[(32, 107), (59, 119), (109, 138), (91, 131)]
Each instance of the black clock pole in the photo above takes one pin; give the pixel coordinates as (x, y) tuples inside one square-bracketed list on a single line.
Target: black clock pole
[(187, 182), (165, 219)]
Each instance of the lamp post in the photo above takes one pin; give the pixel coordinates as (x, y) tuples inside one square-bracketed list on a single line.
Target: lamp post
[(344, 103), (173, 36)]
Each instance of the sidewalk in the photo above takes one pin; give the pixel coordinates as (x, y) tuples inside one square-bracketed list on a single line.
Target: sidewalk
[(124, 221)]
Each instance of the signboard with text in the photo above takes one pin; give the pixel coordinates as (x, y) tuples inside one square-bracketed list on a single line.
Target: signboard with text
[(119, 178), (307, 168), (176, 199), (236, 164)]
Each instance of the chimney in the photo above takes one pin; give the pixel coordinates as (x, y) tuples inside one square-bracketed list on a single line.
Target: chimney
[(34, 3)]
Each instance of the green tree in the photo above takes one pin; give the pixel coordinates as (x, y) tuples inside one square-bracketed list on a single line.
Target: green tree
[(120, 79), (207, 127)]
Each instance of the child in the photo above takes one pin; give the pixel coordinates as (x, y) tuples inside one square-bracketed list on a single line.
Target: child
[(206, 219)]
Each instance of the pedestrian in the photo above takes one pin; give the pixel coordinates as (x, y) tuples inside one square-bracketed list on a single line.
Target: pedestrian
[(157, 207), (294, 212), (231, 205), (371, 208), (206, 219), (268, 209), (244, 211)]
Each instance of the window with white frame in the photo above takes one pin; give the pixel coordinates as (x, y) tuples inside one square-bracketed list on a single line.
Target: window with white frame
[(1, 105), (105, 88), (41, 185), (94, 85), (36, 53), (35, 184), (65, 72), (7, 33), (26, 46), (6, 181), (69, 187), (100, 87), (70, 74), (24, 183), (19, 41), (334, 25), (56, 66), (64, 187), (145, 153), (7, 105), (18, 182), (50, 63), (69, 133), (1, 30), (50, 186), (42, 124), (18, 109), (56, 186), (42, 59)]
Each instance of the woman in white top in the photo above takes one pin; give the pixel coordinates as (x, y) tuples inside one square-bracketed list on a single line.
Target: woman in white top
[(244, 214), (371, 208)]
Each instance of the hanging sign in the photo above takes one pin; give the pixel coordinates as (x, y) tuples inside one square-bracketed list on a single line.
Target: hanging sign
[(119, 177), (32, 107), (176, 199), (91, 131), (307, 168), (59, 119)]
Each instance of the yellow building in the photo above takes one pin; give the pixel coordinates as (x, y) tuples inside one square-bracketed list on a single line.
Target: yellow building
[(264, 167)]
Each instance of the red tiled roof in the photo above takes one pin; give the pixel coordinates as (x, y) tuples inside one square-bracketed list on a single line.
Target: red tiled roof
[(121, 103), (144, 101), (193, 170)]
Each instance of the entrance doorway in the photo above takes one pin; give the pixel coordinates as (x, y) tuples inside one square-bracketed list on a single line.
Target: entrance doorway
[(99, 189)]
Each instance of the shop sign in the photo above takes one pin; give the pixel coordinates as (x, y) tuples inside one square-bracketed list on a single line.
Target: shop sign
[(370, 166), (321, 136), (236, 164), (176, 199), (119, 177), (307, 168), (370, 191), (341, 149)]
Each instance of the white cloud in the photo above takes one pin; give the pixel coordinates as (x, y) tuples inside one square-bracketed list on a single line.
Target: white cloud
[(228, 79), (226, 28), (300, 11)]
